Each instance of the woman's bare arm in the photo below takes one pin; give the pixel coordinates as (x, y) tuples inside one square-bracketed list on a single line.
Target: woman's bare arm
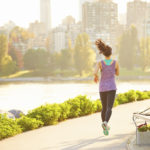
[(98, 66), (117, 69)]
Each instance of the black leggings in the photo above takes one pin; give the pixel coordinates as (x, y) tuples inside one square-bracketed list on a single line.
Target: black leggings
[(107, 99)]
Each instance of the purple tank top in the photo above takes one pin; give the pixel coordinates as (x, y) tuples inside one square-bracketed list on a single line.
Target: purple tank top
[(107, 81)]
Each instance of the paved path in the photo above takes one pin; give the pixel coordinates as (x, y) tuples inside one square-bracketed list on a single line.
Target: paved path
[(83, 133)]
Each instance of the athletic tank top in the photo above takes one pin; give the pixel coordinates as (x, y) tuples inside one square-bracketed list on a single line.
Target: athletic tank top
[(107, 80)]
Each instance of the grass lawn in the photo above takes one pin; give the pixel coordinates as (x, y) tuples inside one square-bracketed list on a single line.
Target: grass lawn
[(41, 73), (25, 73), (135, 72)]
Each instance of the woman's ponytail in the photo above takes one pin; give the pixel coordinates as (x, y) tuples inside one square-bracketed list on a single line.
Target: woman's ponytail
[(103, 48)]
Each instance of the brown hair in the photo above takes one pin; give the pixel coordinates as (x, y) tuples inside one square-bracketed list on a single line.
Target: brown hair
[(103, 48)]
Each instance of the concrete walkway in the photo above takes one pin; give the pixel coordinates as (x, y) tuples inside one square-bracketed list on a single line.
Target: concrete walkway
[(83, 133)]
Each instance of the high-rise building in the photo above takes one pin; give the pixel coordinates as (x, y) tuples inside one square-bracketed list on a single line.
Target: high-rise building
[(64, 33), (37, 28), (137, 14), (81, 2), (100, 18), (148, 22), (45, 14), (59, 39)]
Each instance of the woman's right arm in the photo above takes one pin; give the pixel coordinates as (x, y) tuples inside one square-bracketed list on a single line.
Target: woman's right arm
[(117, 69), (98, 66)]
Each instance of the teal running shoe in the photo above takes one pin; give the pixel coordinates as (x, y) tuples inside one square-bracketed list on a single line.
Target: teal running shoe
[(105, 129)]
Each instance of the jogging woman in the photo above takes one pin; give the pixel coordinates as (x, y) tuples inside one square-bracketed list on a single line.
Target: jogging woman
[(107, 86)]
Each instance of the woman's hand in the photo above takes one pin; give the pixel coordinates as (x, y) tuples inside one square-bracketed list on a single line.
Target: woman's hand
[(96, 78)]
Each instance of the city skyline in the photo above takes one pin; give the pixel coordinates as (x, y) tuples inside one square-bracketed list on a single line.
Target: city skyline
[(26, 11), (45, 14)]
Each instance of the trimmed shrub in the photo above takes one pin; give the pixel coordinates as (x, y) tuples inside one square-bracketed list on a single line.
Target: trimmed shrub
[(94, 106), (98, 105), (148, 93), (86, 105), (48, 114), (121, 98), (8, 127), (131, 95), (148, 127), (74, 104), (64, 111), (115, 103), (29, 123), (142, 95)]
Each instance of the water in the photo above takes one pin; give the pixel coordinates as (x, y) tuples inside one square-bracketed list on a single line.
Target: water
[(26, 96)]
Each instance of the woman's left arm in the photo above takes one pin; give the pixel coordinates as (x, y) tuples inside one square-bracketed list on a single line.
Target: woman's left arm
[(117, 69)]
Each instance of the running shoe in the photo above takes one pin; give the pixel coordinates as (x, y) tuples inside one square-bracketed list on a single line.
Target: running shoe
[(105, 129)]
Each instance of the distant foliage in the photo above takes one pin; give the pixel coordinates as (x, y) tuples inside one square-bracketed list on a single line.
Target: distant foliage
[(84, 55), (8, 66), (128, 49), (36, 59), (145, 53), (3, 47)]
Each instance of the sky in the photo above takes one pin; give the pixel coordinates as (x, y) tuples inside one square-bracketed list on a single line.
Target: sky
[(23, 12)]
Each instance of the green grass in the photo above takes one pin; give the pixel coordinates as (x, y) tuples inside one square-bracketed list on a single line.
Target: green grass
[(135, 72), (44, 73), (19, 74)]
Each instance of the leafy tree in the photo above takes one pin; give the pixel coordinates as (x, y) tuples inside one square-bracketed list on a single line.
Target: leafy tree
[(36, 59), (30, 59), (17, 37), (41, 59), (19, 34), (16, 55), (145, 52), (8, 66), (84, 56), (128, 48), (3, 47), (65, 59), (54, 61)]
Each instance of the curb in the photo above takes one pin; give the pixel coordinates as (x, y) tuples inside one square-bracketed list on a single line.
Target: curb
[(131, 145), (129, 142)]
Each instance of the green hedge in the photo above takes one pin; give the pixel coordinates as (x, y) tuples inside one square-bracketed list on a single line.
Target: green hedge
[(51, 114), (8, 127), (27, 123)]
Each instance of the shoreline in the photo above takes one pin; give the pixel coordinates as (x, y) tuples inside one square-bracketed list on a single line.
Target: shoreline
[(67, 79)]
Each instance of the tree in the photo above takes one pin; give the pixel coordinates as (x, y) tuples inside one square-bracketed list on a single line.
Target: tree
[(3, 47), (17, 37), (36, 59), (84, 56), (8, 66), (19, 34), (145, 52), (41, 59), (65, 59), (128, 48)]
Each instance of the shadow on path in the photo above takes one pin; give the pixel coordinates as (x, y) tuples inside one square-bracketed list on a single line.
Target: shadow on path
[(84, 143)]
